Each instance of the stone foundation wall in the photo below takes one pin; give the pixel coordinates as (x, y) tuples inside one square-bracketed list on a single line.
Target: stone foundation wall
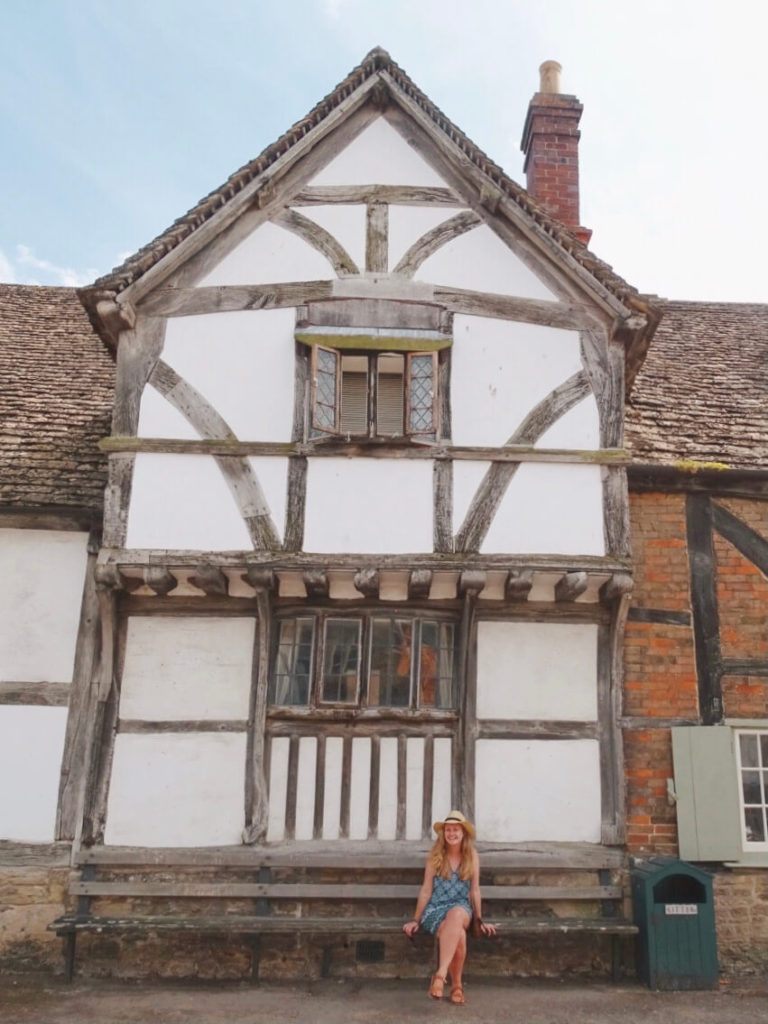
[(741, 919), (32, 892)]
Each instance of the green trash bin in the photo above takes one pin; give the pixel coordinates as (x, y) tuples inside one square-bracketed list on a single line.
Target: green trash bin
[(675, 915)]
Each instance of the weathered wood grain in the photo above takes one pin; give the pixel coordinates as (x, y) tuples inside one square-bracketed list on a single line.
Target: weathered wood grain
[(320, 239), (435, 239)]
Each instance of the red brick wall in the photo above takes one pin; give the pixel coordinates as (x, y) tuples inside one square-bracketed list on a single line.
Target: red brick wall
[(659, 668)]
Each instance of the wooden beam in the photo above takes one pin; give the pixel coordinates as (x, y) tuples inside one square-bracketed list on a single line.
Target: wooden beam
[(376, 238), (435, 239), (256, 785), (419, 584), (320, 239), (497, 729), (400, 195), (569, 316), (38, 694), (706, 618), (747, 541), (373, 449), (170, 302), (571, 585)]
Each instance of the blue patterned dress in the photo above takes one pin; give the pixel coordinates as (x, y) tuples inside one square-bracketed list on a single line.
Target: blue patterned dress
[(446, 893)]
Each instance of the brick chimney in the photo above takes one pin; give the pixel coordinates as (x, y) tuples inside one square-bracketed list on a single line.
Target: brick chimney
[(551, 146)]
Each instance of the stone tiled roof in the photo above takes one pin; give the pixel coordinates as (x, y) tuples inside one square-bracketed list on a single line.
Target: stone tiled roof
[(56, 394), (702, 392), (377, 61)]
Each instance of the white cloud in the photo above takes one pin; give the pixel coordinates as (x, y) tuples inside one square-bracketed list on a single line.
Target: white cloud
[(7, 273), (27, 261)]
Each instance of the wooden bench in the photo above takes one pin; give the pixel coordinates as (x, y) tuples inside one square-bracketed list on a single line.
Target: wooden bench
[(297, 891)]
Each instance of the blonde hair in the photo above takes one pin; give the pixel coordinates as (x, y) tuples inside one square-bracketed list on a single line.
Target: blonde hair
[(438, 856)]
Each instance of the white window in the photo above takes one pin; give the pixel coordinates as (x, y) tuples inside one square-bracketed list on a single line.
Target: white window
[(371, 660), (752, 751), (721, 784)]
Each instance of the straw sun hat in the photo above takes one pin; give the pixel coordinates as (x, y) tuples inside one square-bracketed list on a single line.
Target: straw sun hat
[(456, 817)]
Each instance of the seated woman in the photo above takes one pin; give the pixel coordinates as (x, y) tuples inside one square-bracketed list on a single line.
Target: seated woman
[(449, 897)]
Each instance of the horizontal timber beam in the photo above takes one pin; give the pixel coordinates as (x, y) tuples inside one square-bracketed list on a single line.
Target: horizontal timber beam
[(234, 298), (42, 694), (402, 195), (376, 450)]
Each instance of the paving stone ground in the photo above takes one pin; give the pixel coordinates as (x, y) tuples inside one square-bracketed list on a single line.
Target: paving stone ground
[(32, 999)]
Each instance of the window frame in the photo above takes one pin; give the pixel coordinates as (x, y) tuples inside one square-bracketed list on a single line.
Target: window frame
[(316, 427), (362, 705)]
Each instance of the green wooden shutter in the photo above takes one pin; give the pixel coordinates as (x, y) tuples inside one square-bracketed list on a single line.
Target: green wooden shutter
[(706, 784)]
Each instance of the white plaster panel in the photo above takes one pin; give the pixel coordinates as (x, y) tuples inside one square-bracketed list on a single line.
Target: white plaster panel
[(242, 363), (368, 505), (183, 501), (537, 790), (270, 254), (158, 418), (442, 803), (378, 156), (414, 786), (305, 787), (177, 790), (31, 745), (479, 259), (334, 754), (347, 224), (537, 670), (578, 428), (387, 788), (407, 224), (359, 787), (179, 667), (500, 370), (278, 788), (467, 477), (42, 573), (550, 508)]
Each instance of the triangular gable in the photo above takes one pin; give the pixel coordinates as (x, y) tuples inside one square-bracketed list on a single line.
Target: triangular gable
[(377, 97)]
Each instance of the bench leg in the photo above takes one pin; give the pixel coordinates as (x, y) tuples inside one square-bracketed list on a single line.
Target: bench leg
[(616, 958), (255, 957), (69, 955), (325, 963)]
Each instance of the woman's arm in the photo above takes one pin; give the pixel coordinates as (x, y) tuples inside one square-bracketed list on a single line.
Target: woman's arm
[(476, 899), (424, 893)]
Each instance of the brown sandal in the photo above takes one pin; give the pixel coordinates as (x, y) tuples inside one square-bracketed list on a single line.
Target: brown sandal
[(436, 988), (457, 995)]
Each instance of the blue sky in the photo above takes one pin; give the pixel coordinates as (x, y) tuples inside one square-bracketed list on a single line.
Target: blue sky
[(117, 117)]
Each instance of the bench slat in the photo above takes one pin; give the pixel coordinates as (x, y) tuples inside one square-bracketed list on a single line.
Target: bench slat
[(341, 891), (331, 925)]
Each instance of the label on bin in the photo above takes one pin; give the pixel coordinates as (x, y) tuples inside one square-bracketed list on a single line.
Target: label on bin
[(681, 908)]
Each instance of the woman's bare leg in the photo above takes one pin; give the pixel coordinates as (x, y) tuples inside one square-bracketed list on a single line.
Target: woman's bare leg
[(456, 965), (450, 935)]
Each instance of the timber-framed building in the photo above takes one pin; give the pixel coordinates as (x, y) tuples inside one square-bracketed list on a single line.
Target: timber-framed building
[(409, 502)]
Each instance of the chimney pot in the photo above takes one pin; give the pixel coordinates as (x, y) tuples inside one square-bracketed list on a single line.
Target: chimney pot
[(549, 76)]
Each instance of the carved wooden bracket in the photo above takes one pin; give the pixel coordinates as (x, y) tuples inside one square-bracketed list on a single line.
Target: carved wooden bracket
[(518, 585), (618, 585), (211, 580), (571, 586), (316, 582), (471, 581), (260, 578), (109, 577), (160, 580), (367, 582), (419, 583)]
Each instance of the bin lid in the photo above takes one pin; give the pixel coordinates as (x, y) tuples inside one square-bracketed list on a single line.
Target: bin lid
[(659, 867)]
